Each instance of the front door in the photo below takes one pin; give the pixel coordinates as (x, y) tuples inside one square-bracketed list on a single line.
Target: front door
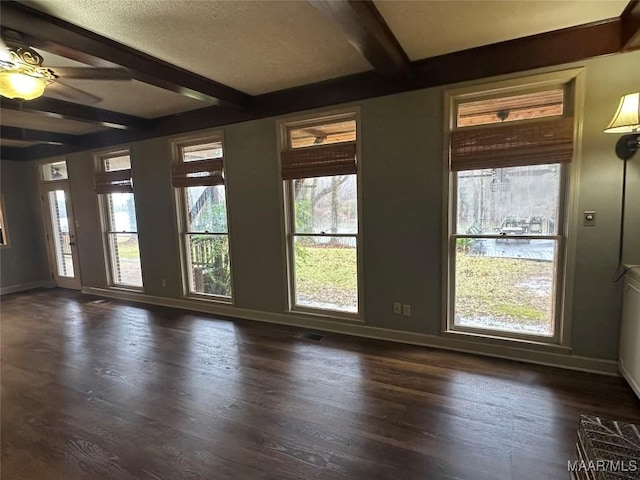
[(61, 238)]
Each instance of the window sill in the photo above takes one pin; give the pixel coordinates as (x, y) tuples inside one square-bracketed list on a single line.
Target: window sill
[(521, 343)]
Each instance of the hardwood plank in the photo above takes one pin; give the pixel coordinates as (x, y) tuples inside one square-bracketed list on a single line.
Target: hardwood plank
[(124, 391)]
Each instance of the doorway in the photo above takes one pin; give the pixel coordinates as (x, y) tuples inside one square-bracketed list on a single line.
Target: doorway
[(60, 226)]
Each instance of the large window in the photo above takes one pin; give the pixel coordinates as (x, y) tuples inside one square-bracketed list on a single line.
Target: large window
[(319, 169), (509, 155), (198, 176), (114, 184)]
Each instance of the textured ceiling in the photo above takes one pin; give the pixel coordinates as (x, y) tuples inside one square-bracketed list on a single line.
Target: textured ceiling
[(430, 28), (252, 46), (131, 97), (263, 46)]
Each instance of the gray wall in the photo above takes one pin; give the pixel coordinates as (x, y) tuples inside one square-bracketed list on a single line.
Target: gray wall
[(402, 189), (597, 299), (24, 260)]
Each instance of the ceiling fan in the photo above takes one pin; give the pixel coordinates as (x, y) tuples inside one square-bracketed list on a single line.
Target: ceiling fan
[(22, 76)]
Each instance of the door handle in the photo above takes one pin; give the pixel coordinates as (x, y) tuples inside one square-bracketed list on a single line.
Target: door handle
[(72, 244)]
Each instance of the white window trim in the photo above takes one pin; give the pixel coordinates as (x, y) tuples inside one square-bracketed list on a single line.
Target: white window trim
[(179, 203), (282, 127), (570, 179), (98, 158)]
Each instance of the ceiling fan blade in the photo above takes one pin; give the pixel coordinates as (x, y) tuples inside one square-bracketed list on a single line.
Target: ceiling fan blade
[(66, 92), (91, 73), (5, 56)]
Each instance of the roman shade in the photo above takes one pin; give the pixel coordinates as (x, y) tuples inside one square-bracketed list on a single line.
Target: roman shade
[(320, 161), (198, 173), (117, 181), (512, 145)]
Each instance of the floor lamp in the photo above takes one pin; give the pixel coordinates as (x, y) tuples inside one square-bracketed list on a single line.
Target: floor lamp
[(627, 121)]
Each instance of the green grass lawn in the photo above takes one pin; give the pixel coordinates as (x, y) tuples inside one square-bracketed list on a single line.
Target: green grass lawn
[(512, 290), (327, 275), (505, 288), (128, 247)]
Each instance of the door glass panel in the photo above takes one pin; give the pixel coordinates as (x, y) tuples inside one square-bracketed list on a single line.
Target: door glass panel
[(509, 201), (326, 272), (505, 284), (61, 237)]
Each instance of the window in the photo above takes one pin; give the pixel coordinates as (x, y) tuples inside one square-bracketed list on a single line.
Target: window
[(114, 184), (54, 171), (509, 155), (198, 177), (319, 170)]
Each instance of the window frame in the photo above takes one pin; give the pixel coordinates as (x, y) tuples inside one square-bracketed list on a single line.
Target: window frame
[(181, 215), (105, 221), (572, 82), (284, 126), (4, 242)]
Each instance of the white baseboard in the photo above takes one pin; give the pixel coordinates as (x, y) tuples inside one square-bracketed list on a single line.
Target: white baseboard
[(629, 378), (521, 354), (26, 286)]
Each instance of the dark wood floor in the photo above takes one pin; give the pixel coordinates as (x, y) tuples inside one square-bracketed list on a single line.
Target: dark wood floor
[(122, 391)]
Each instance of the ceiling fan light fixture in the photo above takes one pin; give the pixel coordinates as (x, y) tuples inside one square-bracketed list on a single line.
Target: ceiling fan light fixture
[(20, 86), (22, 77)]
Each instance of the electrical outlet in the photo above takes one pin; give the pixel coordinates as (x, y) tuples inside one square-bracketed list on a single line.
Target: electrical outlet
[(164, 282), (406, 310), (397, 308)]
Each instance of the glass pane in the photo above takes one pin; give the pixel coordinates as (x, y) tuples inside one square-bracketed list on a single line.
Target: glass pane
[(202, 151), (326, 273), (505, 285), (125, 259), (326, 204), (122, 212), (206, 209), (54, 171), (510, 201), (323, 134), (61, 236), (210, 268), (508, 109), (121, 162)]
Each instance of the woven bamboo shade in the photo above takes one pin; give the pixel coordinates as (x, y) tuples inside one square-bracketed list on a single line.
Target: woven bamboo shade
[(117, 181), (518, 144), (321, 161), (198, 173)]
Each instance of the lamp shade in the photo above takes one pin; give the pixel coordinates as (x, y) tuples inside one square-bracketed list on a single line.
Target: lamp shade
[(18, 85), (627, 118)]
